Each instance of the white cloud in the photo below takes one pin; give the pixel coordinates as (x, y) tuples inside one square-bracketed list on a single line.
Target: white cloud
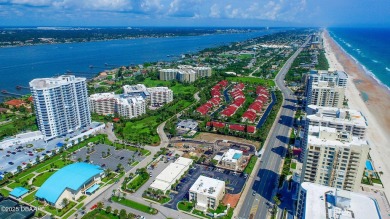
[(214, 11)]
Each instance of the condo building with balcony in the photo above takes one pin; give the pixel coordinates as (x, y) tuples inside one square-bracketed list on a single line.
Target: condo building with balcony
[(61, 104), (124, 105), (346, 120), (185, 73), (334, 158)]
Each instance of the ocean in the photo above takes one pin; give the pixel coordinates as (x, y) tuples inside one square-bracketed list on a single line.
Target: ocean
[(368, 46), (19, 65)]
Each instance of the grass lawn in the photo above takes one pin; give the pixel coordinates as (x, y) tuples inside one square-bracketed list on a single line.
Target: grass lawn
[(146, 127), (177, 88), (14, 185), (138, 181), (79, 206), (69, 213), (265, 82), (185, 206), (248, 169), (377, 181), (293, 166), (245, 56), (135, 163), (30, 197), (162, 201), (5, 192), (59, 212), (82, 198), (99, 214), (135, 205), (25, 178), (40, 179)]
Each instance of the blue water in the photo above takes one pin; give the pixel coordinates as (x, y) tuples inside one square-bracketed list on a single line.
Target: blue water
[(369, 165), (19, 65), (370, 47)]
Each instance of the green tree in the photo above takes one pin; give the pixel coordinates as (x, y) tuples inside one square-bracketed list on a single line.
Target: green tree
[(65, 202), (122, 214), (115, 211), (108, 209)]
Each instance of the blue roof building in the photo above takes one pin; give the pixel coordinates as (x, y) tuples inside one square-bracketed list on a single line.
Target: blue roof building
[(69, 182), (18, 192)]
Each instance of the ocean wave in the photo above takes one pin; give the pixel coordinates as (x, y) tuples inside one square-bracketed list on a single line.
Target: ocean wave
[(387, 69), (368, 72), (376, 61)]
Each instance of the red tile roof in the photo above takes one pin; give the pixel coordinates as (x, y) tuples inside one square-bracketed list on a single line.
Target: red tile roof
[(218, 124), (249, 115), (215, 101), (256, 106), (115, 119), (237, 127), (15, 102), (239, 101), (229, 111), (251, 129), (224, 83)]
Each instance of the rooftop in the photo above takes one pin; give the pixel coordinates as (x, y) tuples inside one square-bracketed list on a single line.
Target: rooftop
[(326, 202), (44, 83), (207, 186), (319, 135), (73, 177), (232, 155), (334, 114)]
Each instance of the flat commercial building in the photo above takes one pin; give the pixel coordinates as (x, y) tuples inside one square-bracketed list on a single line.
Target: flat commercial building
[(61, 104), (207, 192), (334, 158), (171, 174), (318, 201), (125, 105), (346, 120), (70, 182), (185, 73)]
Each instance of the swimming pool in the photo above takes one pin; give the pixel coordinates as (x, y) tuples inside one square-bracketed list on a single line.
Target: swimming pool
[(369, 165)]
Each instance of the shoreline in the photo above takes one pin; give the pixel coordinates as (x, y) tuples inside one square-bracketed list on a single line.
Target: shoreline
[(357, 62), (375, 109)]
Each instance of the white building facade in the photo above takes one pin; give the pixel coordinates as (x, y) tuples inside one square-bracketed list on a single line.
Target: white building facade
[(61, 104), (317, 201), (160, 95), (207, 192), (334, 158), (185, 73)]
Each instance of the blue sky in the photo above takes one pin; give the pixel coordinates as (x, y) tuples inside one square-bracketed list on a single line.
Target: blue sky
[(195, 12)]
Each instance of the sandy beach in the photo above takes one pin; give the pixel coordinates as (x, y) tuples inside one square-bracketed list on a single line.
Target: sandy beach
[(376, 109)]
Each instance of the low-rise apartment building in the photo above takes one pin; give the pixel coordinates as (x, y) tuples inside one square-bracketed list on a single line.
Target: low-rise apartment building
[(185, 73), (207, 192)]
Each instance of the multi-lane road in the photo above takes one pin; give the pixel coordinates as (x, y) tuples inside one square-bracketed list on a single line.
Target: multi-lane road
[(258, 201)]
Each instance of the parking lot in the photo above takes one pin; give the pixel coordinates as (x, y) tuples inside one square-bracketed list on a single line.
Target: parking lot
[(124, 157), (21, 155), (234, 182)]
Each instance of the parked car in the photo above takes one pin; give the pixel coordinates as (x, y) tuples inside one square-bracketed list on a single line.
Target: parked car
[(11, 163)]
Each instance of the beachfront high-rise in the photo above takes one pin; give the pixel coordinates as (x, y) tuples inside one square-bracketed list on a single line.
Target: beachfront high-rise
[(326, 88), (318, 201), (334, 158), (61, 104)]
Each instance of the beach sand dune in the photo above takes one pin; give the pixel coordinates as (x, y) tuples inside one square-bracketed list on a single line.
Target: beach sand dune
[(376, 109)]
